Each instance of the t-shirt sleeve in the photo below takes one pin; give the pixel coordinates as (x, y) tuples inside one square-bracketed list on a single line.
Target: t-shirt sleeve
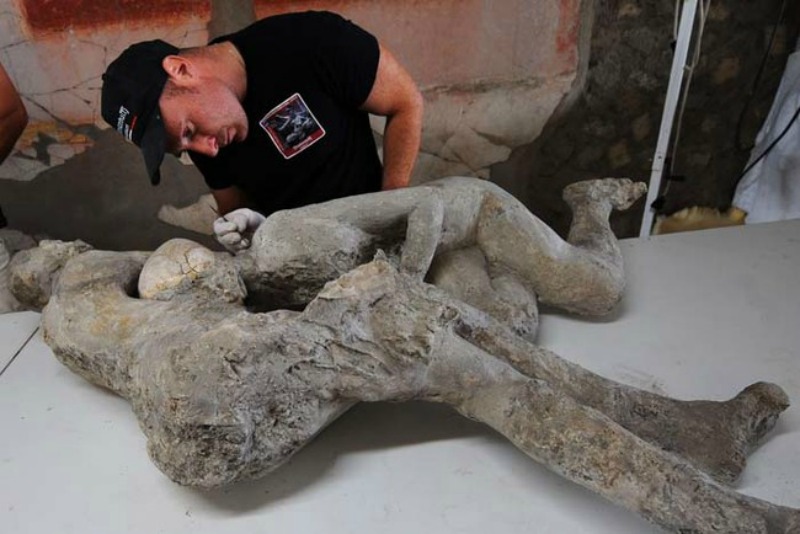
[(349, 56)]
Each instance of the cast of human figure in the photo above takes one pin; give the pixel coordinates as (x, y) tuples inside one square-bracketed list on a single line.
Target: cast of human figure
[(224, 394), (465, 235)]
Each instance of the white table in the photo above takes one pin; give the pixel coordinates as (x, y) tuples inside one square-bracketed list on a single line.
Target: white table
[(15, 331), (705, 314)]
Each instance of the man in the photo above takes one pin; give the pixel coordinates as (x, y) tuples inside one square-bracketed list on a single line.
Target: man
[(275, 116), (13, 119), (13, 116)]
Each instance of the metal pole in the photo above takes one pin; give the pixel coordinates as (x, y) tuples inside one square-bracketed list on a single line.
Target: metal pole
[(688, 15)]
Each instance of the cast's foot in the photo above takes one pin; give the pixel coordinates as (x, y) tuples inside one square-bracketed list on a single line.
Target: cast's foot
[(785, 520), (621, 193), (717, 437), (759, 406)]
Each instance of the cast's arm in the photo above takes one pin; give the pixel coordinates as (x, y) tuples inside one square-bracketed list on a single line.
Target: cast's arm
[(395, 95), (13, 116), (423, 234)]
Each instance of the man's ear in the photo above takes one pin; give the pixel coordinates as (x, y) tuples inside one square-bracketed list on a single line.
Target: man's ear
[(178, 68)]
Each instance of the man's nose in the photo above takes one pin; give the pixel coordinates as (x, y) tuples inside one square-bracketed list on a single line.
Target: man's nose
[(206, 145)]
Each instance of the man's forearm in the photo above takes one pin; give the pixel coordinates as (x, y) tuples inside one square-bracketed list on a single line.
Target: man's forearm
[(401, 140), (13, 116), (394, 95), (11, 127)]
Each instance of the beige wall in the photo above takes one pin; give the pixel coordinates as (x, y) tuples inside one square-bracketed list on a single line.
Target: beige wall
[(452, 42), (56, 52)]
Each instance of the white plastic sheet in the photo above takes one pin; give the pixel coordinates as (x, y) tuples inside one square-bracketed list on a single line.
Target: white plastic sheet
[(770, 191)]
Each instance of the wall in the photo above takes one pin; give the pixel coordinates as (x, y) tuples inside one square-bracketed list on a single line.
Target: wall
[(70, 176), (491, 72), (612, 128), (56, 51), (534, 94)]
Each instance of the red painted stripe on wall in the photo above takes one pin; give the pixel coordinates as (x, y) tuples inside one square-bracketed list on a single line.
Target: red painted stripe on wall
[(46, 16)]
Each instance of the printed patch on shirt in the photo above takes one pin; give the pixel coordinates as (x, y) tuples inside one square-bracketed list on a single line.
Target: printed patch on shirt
[(292, 126)]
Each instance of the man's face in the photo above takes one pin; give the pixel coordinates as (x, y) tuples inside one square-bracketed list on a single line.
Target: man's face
[(202, 117)]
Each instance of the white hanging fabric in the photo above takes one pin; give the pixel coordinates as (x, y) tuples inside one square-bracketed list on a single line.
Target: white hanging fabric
[(770, 191)]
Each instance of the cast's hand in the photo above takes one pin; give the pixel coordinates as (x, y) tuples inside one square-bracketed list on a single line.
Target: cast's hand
[(234, 231)]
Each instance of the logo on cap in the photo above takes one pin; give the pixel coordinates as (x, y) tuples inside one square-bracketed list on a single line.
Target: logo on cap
[(123, 128)]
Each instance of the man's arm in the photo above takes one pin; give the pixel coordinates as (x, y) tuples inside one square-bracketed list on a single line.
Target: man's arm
[(229, 199), (395, 95), (13, 116)]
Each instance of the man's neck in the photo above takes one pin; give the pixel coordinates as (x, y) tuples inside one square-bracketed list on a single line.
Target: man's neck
[(231, 67)]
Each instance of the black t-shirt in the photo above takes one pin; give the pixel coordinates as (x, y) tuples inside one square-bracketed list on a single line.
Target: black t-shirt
[(307, 74)]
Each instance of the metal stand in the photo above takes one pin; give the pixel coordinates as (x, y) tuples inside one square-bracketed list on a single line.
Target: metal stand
[(688, 16)]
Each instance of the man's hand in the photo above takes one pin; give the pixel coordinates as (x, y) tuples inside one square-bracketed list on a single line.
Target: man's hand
[(234, 231)]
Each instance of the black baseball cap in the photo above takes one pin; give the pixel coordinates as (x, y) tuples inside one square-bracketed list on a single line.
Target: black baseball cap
[(132, 85)]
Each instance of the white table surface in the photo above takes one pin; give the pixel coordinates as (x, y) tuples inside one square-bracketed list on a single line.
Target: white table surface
[(705, 314), (15, 330)]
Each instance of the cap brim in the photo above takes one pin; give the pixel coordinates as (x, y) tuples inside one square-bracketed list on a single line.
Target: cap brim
[(153, 145)]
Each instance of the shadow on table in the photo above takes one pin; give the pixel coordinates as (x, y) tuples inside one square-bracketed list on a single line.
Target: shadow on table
[(368, 427)]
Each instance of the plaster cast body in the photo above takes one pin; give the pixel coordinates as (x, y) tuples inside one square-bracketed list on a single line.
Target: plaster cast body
[(11, 242), (469, 236), (224, 394)]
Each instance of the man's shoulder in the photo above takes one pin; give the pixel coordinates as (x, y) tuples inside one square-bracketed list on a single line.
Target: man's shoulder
[(292, 32)]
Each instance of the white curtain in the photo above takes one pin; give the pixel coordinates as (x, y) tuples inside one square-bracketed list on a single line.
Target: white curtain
[(770, 191)]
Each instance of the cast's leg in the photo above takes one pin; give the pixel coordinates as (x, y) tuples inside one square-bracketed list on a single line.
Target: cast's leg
[(584, 275), (395, 324), (465, 275), (715, 436), (591, 202), (588, 448)]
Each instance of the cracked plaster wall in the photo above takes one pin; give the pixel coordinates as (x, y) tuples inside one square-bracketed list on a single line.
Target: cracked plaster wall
[(492, 73), (56, 52)]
